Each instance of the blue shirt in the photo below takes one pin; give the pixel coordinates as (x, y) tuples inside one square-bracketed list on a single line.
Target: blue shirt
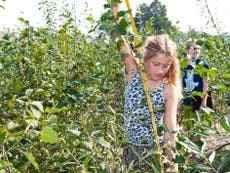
[(192, 81)]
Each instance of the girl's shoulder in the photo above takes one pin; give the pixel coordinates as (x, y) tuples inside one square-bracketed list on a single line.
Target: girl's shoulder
[(172, 91), (170, 87)]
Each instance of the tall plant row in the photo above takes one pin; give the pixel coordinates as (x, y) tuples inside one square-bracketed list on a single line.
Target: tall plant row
[(61, 99)]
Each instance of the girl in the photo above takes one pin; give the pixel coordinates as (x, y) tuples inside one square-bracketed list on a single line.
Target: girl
[(162, 71)]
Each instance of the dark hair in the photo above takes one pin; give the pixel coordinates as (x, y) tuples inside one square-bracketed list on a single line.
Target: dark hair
[(188, 44)]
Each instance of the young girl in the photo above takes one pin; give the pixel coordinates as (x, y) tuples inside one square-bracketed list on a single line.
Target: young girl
[(162, 71)]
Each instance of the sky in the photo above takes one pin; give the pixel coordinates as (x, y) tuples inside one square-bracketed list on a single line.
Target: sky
[(188, 12)]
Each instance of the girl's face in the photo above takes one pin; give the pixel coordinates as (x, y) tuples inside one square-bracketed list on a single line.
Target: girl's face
[(157, 67)]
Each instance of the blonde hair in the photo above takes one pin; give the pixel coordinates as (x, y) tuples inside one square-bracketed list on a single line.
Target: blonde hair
[(161, 44)]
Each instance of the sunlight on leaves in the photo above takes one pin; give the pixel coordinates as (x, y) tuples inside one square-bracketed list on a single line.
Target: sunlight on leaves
[(31, 159), (48, 135), (104, 143)]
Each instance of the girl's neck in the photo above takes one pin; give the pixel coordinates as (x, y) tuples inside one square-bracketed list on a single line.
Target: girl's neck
[(154, 83)]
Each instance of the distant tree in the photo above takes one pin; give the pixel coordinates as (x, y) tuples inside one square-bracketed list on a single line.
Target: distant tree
[(154, 15)]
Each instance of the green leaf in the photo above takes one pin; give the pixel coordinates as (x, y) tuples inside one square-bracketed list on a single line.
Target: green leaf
[(190, 146), (21, 19), (119, 44), (36, 108), (115, 1), (3, 133), (4, 164), (48, 135), (2, 7), (205, 130), (32, 123), (183, 63), (212, 73), (123, 24), (12, 126), (54, 110), (86, 162), (179, 159), (53, 119), (31, 159), (219, 87), (28, 92), (197, 93), (36, 113), (207, 110), (75, 132), (201, 167), (112, 110), (139, 55), (90, 19), (121, 13), (16, 134), (30, 113), (225, 123), (39, 105), (226, 75), (17, 86), (103, 142), (120, 30), (225, 163), (106, 6)]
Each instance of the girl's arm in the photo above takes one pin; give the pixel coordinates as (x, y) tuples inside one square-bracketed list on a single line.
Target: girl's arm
[(125, 51), (205, 91), (171, 103)]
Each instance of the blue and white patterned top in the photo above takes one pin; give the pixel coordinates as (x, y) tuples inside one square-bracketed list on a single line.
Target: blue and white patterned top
[(137, 118)]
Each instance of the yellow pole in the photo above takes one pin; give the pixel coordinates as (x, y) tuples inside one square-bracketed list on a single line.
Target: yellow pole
[(145, 85)]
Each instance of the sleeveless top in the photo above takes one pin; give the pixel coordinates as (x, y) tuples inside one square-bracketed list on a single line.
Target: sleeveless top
[(137, 118)]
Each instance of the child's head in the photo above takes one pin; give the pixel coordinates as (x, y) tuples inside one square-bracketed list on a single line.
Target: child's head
[(162, 46)]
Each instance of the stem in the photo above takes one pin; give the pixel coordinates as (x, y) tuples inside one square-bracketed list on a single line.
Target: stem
[(211, 17)]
